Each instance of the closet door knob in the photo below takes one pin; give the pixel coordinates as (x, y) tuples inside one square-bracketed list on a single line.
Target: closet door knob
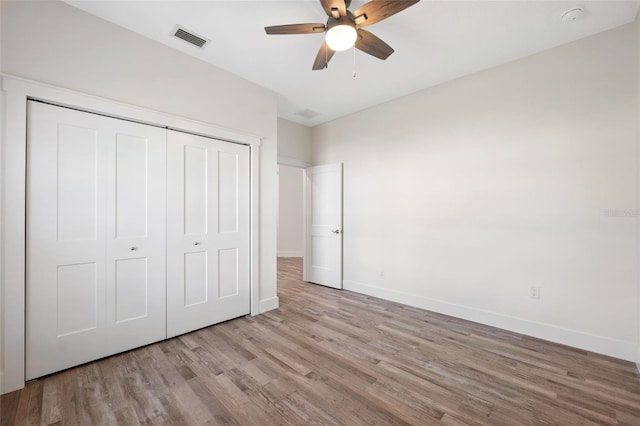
[(336, 231), (133, 248), (197, 243)]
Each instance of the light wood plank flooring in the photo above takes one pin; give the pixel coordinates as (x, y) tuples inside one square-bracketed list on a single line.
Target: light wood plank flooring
[(329, 357)]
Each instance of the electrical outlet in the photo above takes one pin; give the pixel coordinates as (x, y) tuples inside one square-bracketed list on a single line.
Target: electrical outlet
[(534, 292)]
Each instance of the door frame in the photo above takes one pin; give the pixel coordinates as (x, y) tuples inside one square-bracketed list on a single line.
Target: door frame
[(13, 110)]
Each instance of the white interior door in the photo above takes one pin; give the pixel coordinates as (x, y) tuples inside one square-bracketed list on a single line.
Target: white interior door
[(207, 232), (95, 237), (323, 225)]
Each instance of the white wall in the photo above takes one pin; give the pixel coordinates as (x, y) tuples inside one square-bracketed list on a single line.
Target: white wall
[(290, 212), (294, 143), (54, 43), (460, 198)]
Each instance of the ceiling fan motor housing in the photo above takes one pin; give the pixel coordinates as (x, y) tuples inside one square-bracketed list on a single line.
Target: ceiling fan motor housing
[(343, 20)]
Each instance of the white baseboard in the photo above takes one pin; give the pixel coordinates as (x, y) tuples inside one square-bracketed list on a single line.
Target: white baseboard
[(6, 388), (578, 339), (269, 304), (290, 254)]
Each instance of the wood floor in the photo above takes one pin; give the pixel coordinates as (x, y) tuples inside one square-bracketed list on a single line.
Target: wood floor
[(330, 357)]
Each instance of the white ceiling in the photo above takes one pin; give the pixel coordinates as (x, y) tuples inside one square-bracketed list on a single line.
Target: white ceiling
[(434, 41)]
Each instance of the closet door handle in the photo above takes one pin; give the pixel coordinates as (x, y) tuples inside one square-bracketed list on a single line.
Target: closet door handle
[(197, 243), (134, 248), (336, 231)]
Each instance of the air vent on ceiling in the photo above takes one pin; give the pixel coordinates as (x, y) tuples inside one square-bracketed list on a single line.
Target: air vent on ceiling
[(190, 37), (307, 113)]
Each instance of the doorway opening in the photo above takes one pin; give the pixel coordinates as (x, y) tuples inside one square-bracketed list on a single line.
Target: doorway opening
[(291, 212), (290, 222)]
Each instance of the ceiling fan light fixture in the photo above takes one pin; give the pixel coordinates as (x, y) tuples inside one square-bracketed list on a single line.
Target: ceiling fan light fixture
[(341, 36)]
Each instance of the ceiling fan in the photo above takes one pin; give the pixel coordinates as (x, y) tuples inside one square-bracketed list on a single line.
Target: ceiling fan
[(344, 28)]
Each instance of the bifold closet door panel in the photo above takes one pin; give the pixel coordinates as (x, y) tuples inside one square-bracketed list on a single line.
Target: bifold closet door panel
[(207, 232), (95, 237)]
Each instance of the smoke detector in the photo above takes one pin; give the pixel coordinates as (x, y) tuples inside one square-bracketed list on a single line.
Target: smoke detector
[(571, 14)]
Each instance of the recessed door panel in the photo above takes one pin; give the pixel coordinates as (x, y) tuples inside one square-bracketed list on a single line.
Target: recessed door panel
[(195, 278), (228, 279), (195, 190), (77, 183), (322, 208), (322, 248), (208, 258), (228, 192), (77, 298), (131, 186), (132, 289)]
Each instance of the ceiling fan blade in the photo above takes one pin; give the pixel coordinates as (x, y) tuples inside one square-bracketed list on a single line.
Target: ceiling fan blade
[(323, 57), (372, 45), (295, 29), (377, 10), (334, 7)]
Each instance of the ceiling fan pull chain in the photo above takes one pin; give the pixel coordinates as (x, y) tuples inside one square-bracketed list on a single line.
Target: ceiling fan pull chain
[(354, 61)]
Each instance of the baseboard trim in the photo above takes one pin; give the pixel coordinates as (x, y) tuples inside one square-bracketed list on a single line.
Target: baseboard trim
[(2, 383), (290, 254), (269, 304), (578, 339)]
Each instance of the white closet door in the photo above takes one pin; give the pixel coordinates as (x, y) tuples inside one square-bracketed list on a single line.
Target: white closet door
[(207, 232), (95, 237)]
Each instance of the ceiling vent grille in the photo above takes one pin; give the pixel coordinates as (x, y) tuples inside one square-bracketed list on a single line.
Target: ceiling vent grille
[(307, 113), (190, 37)]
